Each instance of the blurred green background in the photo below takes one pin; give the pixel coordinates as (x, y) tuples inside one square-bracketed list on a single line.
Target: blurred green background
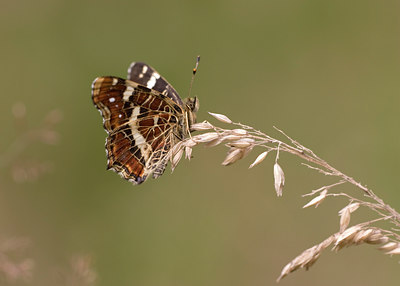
[(326, 72)]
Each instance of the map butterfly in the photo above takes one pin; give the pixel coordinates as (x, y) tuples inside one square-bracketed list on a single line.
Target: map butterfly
[(144, 118)]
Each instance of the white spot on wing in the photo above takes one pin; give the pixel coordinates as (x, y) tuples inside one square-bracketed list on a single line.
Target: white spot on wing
[(152, 82), (128, 92), (97, 82), (155, 119), (115, 80), (94, 82), (144, 70), (112, 99), (135, 113), (130, 68), (139, 139)]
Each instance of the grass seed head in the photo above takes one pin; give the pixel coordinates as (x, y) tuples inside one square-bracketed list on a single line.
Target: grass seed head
[(190, 143), (176, 158), (205, 125), (206, 137), (362, 235), (221, 117), (239, 132), (344, 220), (390, 246), (376, 237), (351, 207), (307, 258), (234, 155), (188, 152), (232, 137), (394, 251), (346, 237), (259, 159), (279, 178), (242, 143), (214, 142), (317, 200)]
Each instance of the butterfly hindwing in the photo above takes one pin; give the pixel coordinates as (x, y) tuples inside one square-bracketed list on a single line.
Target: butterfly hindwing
[(140, 123)]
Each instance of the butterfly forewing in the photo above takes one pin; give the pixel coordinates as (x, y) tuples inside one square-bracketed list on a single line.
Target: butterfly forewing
[(142, 125), (145, 75)]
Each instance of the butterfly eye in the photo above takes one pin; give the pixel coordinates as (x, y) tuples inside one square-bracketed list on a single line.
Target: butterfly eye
[(193, 104)]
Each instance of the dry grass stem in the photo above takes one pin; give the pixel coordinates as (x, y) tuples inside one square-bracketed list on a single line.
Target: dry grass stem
[(317, 200), (241, 139)]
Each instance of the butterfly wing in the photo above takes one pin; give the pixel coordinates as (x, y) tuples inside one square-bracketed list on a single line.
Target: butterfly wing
[(141, 124), (144, 74)]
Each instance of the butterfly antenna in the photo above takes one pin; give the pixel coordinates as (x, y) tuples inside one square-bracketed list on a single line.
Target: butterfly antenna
[(194, 73)]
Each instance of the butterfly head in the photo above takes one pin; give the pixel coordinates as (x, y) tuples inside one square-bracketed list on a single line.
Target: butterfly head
[(192, 106)]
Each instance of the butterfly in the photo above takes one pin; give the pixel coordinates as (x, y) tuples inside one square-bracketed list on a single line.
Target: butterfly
[(144, 118)]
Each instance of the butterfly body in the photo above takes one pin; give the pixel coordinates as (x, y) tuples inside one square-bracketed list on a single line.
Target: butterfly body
[(144, 118)]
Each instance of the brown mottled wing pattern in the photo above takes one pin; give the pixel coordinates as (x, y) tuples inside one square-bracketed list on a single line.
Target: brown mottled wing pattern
[(142, 126)]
